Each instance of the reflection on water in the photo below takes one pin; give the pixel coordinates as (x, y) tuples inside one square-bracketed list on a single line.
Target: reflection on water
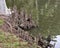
[(3, 8), (57, 43)]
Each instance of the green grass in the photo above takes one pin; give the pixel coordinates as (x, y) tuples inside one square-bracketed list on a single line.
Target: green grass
[(8, 40), (1, 21)]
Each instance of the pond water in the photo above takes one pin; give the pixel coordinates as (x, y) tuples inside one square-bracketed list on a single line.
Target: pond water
[(57, 43)]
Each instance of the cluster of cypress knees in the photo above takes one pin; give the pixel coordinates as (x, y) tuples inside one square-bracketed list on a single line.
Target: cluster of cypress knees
[(20, 22)]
